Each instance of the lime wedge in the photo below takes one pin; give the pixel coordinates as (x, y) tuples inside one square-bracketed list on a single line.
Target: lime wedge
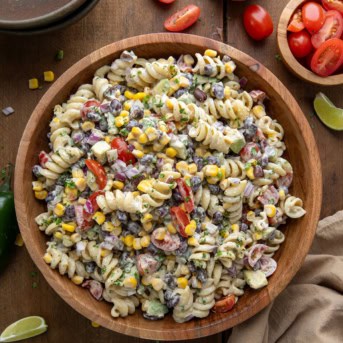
[(328, 113), (24, 328)]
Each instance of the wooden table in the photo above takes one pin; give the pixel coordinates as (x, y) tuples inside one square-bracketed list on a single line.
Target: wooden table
[(24, 291)]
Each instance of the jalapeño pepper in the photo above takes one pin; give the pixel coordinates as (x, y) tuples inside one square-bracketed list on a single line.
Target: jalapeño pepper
[(8, 221)]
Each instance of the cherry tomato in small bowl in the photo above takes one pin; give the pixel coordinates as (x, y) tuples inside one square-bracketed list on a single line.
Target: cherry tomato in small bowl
[(313, 16), (257, 22), (300, 43), (333, 5), (328, 57), (332, 28), (166, 1), (182, 19), (296, 24)]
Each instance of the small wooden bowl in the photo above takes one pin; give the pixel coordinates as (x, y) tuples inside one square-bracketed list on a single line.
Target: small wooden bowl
[(287, 56), (303, 155)]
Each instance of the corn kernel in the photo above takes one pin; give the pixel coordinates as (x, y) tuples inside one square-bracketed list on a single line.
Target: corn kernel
[(182, 282), (71, 192), (58, 235), (70, 227), (124, 114), (95, 325), (235, 227), (59, 210), (169, 104), (139, 96), (250, 173), (147, 218), (137, 153), (37, 186), (171, 152), (145, 241), (147, 113), (77, 173), (127, 106), (190, 228), (192, 241), (81, 184), (157, 284), (227, 92), (41, 195), (82, 201), (49, 76), (87, 126), (270, 210), (33, 83), (211, 170), (192, 168), (143, 138), (229, 68), (118, 121), (136, 131), (135, 194), (118, 185), (147, 226), (164, 140), (128, 94), (130, 282), (138, 146), (162, 126), (181, 166), (105, 252), (19, 240), (171, 228), (137, 244), (282, 194), (257, 236), (210, 53), (47, 258), (77, 279), (56, 120), (99, 217), (128, 240), (160, 233), (108, 139), (258, 111), (144, 186)]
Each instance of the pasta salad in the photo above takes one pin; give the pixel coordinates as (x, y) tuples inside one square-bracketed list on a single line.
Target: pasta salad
[(165, 186)]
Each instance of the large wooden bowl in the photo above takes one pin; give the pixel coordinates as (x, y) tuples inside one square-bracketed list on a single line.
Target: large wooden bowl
[(290, 61), (302, 153)]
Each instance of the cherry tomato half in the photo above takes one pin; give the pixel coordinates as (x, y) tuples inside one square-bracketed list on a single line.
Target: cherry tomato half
[(296, 24), (182, 19), (166, 1), (333, 5), (187, 194), (313, 16), (124, 154), (257, 22), (98, 170), (300, 43), (180, 220), (328, 58), (89, 106), (225, 304), (87, 217), (332, 28)]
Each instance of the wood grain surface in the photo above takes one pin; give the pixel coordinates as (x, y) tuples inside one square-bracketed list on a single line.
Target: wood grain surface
[(23, 289)]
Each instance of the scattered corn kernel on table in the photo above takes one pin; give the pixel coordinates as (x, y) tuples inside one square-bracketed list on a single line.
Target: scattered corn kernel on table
[(24, 291)]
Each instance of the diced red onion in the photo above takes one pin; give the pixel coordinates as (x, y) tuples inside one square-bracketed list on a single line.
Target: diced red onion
[(131, 173), (77, 137), (248, 189), (88, 207), (120, 176), (235, 180), (79, 214), (257, 95), (119, 166), (95, 288), (105, 107), (243, 81), (93, 138), (131, 147), (106, 245), (255, 253)]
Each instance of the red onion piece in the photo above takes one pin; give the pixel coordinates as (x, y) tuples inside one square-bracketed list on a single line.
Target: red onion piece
[(243, 82), (255, 253), (248, 189), (88, 207), (95, 288), (79, 214), (267, 265)]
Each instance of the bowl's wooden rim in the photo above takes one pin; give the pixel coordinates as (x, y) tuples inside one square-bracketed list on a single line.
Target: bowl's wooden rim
[(290, 60), (188, 330)]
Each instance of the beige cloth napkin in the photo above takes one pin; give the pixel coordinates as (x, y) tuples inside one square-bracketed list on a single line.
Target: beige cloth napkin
[(310, 309)]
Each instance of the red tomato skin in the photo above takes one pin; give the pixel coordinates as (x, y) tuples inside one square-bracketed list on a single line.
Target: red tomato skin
[(257, 22), (322, 66), (182, 19), (333, 5), (332, 28), (87, 106), (124, 154), (296, 24), (313, 16), (300, 43), (166, 1), (98, 170), (225, 304), (187, 194), (180, 219)]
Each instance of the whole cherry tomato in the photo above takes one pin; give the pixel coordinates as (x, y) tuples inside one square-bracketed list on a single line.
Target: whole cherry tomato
[(257, 22), (182, 19), (124, 154), (98, 170), (313, 16), (300, 43)]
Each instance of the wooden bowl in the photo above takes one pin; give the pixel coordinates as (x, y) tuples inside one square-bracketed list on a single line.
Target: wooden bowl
[(287, 56), (303, 155)]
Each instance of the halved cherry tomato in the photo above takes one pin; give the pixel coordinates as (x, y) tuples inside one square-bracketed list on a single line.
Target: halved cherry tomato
[(296, 24), (180, 220), (92, 199), (313, 16), (124, 154), (182, 19), (257, 22), (300, 43), (168, 243), (333, 5), (332, 28), (328, 58), (225, 304), (166, 1), (87, 217), (187, 194), (146, 264), (88, 106), (98, 170), (249, 151)]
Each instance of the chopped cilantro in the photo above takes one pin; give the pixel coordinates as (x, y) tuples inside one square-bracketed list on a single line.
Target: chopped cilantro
[(188, 182), (69, 183)]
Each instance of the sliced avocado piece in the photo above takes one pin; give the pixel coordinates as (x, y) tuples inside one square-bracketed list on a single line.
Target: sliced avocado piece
[(255, 278), (237, 141)]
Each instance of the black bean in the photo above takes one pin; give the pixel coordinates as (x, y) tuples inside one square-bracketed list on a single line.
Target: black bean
[(90, 267), (85, 147), (180, 92), (217, 90), (200, 95), (131, 124), (136, 112), (201, 275), (213, 160), (226, 59), (62, 179), (69, 213), (195, 183), (244, 227), (217, 217), (127, 56), (93, 116), (208, 70), (147, 159), (162, 211), (192, 268), (258, 171), (182, 248), (169, 279), (199, 162), (177, 196), (171, 303), (189, 76), (116, 106), (152, 248), (134, 227), (103, 125), (199, 213), (36, 170), (122, 217), (214, 189)]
